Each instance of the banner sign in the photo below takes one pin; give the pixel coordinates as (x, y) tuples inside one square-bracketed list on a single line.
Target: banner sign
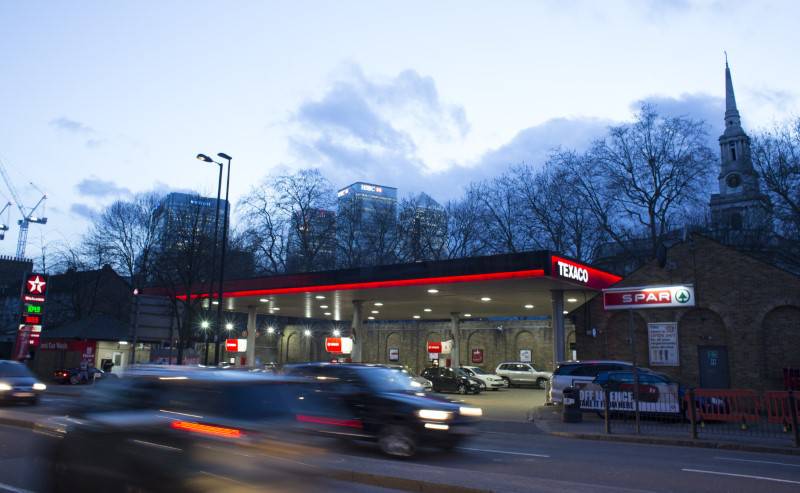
[(236, 345), (339, 345), (434, 347), (477, 355), (525, 355), (394, 354), (653, 398), (662, 339), (648, 297)]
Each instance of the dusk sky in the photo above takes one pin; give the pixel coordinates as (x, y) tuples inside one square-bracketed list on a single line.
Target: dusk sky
[(100, 100)]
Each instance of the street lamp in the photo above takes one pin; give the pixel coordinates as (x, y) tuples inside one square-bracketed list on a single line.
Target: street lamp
[(220, 296), (228, 326), (206, 159), (204, 325)]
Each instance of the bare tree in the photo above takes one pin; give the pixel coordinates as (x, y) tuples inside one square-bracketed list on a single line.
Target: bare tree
[(655, 170), (124, 236), (465, 226), (266, 229), (502, 211), (350, 247), (422, 229), (776, 154)]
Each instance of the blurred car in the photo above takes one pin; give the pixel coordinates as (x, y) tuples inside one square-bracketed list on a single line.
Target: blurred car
[(424, 383), (185, 430), (448, 380), (386, 408), (488, 380), (18, 384), (517, 373), (570, 373), (72, 376)]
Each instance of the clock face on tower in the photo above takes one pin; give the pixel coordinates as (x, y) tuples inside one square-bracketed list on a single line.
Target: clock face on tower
[(733, 180)]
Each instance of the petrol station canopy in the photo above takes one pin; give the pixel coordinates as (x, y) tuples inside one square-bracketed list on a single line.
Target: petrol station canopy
[(517, 284)]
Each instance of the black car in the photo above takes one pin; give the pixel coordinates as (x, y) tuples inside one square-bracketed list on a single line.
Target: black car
[(18, 384), (384, 406), (449, 380), (186, 430)]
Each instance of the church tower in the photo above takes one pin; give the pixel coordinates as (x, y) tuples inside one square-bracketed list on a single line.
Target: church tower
[(739, 205)]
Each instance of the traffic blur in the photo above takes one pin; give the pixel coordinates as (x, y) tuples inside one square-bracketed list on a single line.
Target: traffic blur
[(168, 428)]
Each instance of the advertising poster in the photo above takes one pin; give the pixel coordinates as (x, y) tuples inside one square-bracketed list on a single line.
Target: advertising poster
[(662, 341), (477, 355), (394, 354), (653, 398), (525, 355)]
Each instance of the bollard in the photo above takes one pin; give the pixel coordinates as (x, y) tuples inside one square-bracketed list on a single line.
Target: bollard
[(793, 412), (692, 414), (571, 412)]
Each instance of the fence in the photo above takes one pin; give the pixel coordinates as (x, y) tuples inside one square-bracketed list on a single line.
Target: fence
[(739, 415)]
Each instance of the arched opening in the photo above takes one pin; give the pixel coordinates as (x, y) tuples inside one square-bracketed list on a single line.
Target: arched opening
[(524, 347), (293, 349), (781, 344), (391, 353), (703, 345)]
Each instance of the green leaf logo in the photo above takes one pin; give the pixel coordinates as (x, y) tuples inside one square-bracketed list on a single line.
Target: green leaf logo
[(683, 296)]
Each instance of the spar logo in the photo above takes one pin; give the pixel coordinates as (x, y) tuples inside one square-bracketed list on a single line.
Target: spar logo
[(682, 296), (572, 271)]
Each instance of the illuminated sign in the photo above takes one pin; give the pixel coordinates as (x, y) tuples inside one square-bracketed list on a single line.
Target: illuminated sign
[(371, 188), (236, 345), (434, 347), (586, 275), (36, 285), (31, 319), (342, 193), (339, 345), (648, 297), (33, 308), (572, 271)]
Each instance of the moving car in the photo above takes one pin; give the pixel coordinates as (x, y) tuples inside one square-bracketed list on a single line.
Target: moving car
[(18, 384), (184, 430), (568, 373), (518, 373), (448, 380), (384, 407), (424, 383), (488, 380)]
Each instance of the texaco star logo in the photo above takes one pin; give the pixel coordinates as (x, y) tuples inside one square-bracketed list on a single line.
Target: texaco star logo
[(36, 285)]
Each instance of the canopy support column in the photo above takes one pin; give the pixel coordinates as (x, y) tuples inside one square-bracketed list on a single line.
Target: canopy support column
[(359, 336), (558, 326), (251, 336), (455, 331)]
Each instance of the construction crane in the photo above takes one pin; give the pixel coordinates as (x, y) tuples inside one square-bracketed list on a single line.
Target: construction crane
[(4, 225), (28, 216)]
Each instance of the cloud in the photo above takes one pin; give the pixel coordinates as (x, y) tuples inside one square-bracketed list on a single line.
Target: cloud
[(83, 210), (710, 109), (73, 126), (96, 187)]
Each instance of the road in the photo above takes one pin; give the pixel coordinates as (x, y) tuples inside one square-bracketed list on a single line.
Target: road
[(526, 462)]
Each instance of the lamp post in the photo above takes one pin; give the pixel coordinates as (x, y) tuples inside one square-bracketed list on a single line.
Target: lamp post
[(224, 248), (204, 325), (206, 159)]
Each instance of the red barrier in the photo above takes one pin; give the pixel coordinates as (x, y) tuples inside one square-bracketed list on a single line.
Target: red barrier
[(776, 403), (738, 406)]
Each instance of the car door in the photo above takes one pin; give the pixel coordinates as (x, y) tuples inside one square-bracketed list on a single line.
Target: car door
[(449, 380), (526, 373), (432, 374)]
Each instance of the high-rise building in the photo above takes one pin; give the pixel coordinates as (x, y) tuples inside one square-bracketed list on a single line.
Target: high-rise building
[(180, 213), (740, 205), (424, 225), (366, 223)]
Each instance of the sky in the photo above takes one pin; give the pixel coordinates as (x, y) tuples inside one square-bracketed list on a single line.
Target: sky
[(102, 100)]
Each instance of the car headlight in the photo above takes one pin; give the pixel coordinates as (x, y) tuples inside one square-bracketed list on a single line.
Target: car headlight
[(415, 384), (470, 411), (4, 387), (39, 386), (433, 414)]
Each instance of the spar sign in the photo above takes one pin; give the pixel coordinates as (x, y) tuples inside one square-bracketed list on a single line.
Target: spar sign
[(681, 296), (339, 345)]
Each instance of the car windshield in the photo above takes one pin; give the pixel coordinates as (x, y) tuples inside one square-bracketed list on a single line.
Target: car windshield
[(14, 370), (479, 371), (388, 380)]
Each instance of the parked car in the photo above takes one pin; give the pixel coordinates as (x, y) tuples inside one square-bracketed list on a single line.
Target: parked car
[(386, 408), (72, 376), (185, 430), (424, 383), (570, 372), (488, 380), (517, 373), (18, 384), (448, 380)]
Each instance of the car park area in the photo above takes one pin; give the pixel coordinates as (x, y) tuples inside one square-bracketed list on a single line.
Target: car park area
[(513, 404)]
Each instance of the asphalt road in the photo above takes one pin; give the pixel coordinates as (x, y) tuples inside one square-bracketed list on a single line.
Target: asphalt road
[(502, 462)]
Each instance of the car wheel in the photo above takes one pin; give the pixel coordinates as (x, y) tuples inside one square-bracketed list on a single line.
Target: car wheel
[(462, 389), (541, 382), (74, 380), (508, 381), (397, 441)]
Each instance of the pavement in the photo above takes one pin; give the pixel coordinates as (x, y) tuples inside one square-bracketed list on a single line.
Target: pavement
[(524, 457)]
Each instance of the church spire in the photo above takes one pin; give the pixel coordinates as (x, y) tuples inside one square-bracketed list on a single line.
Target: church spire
[(731, 112)]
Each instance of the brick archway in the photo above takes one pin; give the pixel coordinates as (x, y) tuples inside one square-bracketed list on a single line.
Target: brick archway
[(699, 327), (781, 344)]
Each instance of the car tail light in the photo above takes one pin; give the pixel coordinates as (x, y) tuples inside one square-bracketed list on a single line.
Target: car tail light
[(218, 431)]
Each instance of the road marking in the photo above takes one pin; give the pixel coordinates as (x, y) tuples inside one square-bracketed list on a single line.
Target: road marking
[(13, 489), (758, 461), (763, 478), (503, 452)]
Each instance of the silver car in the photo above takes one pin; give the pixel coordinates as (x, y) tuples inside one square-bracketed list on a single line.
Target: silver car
[(488, 380), (569, 372), (422, 382), (518, 373)]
